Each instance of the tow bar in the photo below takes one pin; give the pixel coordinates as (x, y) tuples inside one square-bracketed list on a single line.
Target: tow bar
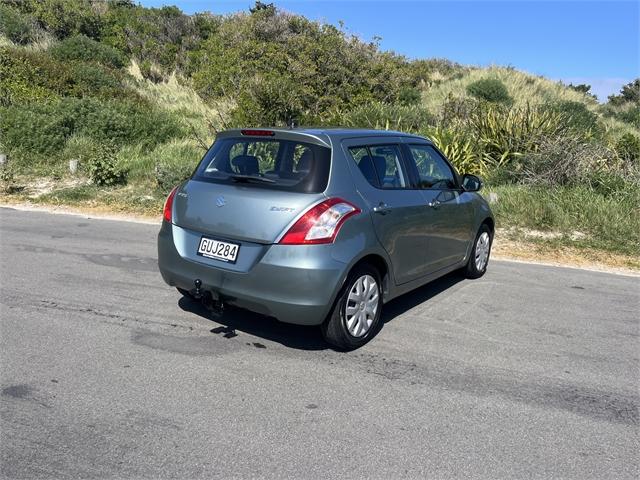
[(214, 305)]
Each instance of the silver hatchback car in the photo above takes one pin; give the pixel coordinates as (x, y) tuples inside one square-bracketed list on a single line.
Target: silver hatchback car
[(321, 226)]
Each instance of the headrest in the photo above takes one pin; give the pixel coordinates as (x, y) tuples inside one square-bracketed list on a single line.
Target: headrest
[(246, 164)]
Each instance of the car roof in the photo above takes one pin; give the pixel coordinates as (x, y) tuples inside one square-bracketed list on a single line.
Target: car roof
[(324, 135)]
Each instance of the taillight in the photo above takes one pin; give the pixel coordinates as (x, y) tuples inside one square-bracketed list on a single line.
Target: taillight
[(321, 223), (168, 205)]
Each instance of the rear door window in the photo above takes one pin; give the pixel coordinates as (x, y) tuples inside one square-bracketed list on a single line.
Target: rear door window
[(267, 163), (433, 170), (381, 165)]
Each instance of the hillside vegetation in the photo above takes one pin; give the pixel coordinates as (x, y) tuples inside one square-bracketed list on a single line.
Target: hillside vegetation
[(136, 94)]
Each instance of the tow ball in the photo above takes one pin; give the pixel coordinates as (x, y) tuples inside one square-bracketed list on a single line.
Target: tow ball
[(198, 293), (214, 305)]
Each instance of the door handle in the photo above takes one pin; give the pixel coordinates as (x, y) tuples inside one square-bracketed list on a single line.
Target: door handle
[(433, 204), (382, 208)]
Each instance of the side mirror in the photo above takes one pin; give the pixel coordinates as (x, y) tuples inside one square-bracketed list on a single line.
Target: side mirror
[(471, 183)]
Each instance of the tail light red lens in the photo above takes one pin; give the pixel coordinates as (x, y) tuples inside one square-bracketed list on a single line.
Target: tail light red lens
[(321, 223), (258, 133), (168, 205)]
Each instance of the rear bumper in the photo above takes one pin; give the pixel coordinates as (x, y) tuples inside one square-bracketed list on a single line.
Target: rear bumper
[(295, 284)]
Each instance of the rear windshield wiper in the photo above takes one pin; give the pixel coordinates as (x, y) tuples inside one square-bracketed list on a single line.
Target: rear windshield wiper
[(250, 178)]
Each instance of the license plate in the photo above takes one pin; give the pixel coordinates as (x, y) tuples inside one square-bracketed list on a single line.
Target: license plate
[(210, 248)]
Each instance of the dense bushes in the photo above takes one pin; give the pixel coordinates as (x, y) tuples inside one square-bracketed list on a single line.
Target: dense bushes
[(276, 66), (577, 116), (84, 49), (553, 145), (169, 172), (628, 149), (267, 67), (27, 76), (34, 131), (385, 116), (37, 130), (62, 18), (17, 28)]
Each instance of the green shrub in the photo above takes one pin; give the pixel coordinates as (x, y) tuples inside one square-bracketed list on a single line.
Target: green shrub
[(7, 178), (409, 96), (169, 174), (609, 183), (81, 148), (120, 122), (412, 118), (489, 89), (628, 149), (42, 129), (35, 75), (35, 130), (629, 93), (94, 80), (16, 27), (30, 76), (85, 49), (64, 18), (103, 169), (578, 117), (175, 162), (268, 100), (630, 115)]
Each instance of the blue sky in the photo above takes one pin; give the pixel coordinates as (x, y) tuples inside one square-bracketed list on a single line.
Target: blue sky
[(594, 42)]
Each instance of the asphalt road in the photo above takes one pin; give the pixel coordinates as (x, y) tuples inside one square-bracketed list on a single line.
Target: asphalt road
[(529, 372)]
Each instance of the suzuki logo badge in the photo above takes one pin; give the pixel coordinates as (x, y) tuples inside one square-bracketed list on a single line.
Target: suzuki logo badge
[(220, 201)]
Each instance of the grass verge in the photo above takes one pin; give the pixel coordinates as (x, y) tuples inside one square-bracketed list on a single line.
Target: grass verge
[(576, 217)]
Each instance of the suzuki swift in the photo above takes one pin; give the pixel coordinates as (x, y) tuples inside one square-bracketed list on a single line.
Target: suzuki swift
[(321, 226)]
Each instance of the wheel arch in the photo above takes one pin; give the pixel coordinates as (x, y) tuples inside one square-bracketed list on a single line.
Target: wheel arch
[(380, 264), (489, 222)]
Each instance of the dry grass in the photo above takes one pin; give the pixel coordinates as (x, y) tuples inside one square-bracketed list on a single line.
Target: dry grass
[(173, 95), (523, 88)]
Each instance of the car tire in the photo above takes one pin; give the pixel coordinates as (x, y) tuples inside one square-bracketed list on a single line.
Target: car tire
[(479, 257), (353, 321)]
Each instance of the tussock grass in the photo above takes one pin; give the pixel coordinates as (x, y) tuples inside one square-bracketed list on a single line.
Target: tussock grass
[(580, 216), (522, 87), (201, 118), (141, 162)]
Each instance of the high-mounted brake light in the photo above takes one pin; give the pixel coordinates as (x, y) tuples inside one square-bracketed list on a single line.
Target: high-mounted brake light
[(168, 205), (258, 133), (321, 223)]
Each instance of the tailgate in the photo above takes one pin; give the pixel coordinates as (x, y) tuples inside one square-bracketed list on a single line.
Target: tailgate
[(238, 212)]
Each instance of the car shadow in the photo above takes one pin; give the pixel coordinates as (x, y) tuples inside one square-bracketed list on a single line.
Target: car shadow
[(412, 299), (234, 320)]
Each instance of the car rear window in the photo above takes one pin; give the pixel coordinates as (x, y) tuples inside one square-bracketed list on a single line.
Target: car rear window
[(267, 163)]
